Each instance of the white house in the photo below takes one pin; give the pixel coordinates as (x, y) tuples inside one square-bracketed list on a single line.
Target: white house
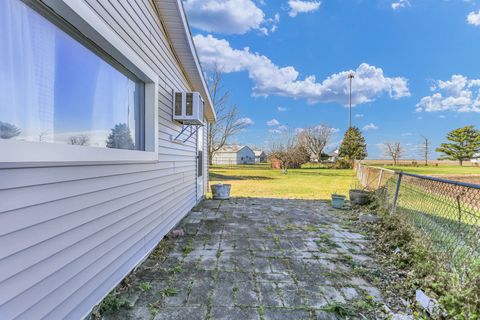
[(234, 154), (94, 170), (475, 159), (260, 156), (333, 156)]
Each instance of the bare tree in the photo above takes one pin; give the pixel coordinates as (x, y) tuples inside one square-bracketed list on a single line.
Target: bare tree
[(424, 149), (314, 139), (79, 140), (393, 150), (287, 150), (228, 120), (42, 135)]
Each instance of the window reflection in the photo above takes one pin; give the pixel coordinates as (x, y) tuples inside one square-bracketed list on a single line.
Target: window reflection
[(54, 89)]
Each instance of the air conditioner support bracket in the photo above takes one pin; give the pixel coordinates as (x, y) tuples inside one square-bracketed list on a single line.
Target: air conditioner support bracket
[(188, 129)]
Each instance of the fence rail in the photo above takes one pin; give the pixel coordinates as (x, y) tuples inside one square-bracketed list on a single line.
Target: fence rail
[(447, 212)]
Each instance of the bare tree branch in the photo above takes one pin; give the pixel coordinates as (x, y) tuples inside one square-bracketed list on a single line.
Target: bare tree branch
[(393, 150), (287, 150), (227, 124), (424, 149), (314, 139), (79, 140)]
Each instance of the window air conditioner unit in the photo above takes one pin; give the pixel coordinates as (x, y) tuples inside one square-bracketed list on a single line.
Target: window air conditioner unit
[(188, 108)]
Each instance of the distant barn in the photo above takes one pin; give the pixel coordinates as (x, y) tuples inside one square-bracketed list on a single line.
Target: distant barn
[(234, 154)]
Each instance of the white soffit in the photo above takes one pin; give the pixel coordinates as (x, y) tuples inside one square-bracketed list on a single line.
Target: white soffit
[(172, 15)]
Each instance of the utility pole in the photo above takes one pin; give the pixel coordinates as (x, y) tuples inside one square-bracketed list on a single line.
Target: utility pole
[(351, 75)]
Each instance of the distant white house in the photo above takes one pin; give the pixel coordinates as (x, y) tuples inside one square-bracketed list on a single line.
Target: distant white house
[(260, 155), (234, 154), (475, 158), (333, 156)]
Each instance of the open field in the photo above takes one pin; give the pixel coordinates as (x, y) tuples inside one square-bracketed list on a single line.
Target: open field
[(409, 162), (262, 181), (441, 169)]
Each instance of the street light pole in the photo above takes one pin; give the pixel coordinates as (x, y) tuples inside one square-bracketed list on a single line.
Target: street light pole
[(351, 75)]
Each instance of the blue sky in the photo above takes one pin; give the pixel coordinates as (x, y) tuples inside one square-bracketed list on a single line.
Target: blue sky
[(416, 63)]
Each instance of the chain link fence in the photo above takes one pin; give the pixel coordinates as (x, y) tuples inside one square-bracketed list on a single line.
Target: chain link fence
[(447, 212)]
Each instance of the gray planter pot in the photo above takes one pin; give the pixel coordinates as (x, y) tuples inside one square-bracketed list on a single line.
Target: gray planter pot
[(338, 201), (221, 191), (360, 197)]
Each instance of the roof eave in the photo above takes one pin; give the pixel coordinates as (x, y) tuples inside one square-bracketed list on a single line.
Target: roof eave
[(189, 59)]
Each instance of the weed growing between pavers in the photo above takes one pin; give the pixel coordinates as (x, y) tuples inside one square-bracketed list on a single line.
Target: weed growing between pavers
[(113, 302), (365, 307), (117, 299), (170, 291), (188, 248), (144, 286), (154, 309), (326, 239), (176, 269)]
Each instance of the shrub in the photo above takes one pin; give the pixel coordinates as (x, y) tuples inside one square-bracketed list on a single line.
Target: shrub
[(343, 164)]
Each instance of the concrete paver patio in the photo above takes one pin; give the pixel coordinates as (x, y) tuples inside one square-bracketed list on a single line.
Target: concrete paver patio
[(252, 258)]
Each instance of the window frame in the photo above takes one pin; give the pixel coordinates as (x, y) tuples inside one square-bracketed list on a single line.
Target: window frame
[(78, 16)]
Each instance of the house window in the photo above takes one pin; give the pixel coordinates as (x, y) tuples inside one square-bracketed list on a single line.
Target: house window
[(57, 87)]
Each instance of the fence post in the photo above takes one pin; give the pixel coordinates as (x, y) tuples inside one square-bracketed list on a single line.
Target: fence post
[(366, 179), (397, 190), (380, 179)]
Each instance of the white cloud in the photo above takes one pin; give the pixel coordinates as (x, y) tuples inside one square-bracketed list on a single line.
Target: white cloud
[(228, 16), (474, 18), (279, 129), (359, 115), (270, 79), (400, 4), (281, 109), (458, 94), (246, 121), (407, 134), (273, 122), (370, 126), (442, 116), (299, 6)]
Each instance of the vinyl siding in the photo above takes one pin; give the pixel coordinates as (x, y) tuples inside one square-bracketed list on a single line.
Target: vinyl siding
[(225, 158), (247, 155), (69, 234)]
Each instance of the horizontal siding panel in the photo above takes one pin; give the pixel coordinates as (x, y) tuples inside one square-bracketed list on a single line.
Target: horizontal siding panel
[(90, 288), (33, 195), (68, 224), (66, 281), (28, 216), (55, 265), (24, 177)]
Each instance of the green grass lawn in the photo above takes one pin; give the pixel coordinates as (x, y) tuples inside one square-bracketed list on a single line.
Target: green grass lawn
[(441, 169), (262, 181)]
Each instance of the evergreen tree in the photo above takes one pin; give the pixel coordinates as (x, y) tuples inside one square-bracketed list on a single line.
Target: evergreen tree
[(120, 138), (465, 142), (8, 130), (353, 146)]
